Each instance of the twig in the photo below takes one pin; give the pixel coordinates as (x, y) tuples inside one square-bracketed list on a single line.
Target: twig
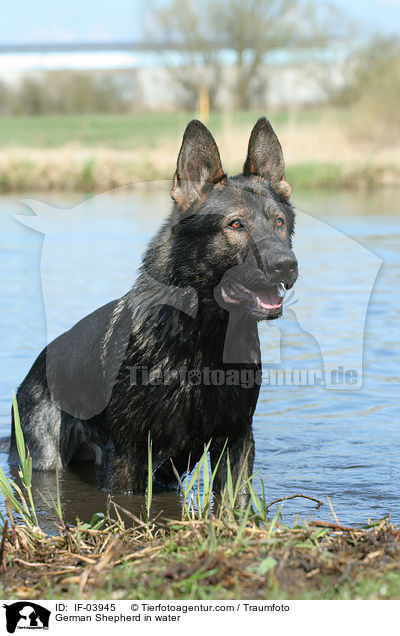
[(27, 564), (85, 559), (336, 518), (67, 570), (139, 522), (334, 526), (118, 515), (373, 555), (317, 501), (138, 554), (107, 555), (313, 573)]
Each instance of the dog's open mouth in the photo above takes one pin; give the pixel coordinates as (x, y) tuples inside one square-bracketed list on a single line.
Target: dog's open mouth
[(263, 304)]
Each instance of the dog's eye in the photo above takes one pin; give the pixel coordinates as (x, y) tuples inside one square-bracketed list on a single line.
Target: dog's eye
[(236, 224), (279, 223)]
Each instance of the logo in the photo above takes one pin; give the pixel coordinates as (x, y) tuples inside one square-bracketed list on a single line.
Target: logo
[(26, 615)]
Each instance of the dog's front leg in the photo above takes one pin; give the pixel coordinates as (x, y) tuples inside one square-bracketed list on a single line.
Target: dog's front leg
[(241, 460), (126, 473)]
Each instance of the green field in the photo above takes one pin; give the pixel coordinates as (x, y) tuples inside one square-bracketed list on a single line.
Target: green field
[(122, 131)]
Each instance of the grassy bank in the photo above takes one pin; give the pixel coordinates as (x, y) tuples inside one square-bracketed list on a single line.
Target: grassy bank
[(215, 558), (218, 549), (100, 152)]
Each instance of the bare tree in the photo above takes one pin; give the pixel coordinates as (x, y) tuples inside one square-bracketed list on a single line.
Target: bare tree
[(213, 35), (251, 29), (197, 64)]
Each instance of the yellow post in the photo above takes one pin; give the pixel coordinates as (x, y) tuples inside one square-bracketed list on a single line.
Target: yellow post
[(204, 104)]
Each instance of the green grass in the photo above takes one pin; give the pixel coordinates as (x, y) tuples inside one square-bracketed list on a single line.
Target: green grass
[(310, 175), (122, 131), (18, 498)]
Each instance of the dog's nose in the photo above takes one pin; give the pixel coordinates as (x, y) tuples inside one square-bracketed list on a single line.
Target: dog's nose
[(284, 266)]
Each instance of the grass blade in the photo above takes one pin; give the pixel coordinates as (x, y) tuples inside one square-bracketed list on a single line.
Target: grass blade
[(149, 476), (19, 437)]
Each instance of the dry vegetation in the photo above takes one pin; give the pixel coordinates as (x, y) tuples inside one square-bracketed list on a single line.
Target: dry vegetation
[(203, 558), (319, 153)]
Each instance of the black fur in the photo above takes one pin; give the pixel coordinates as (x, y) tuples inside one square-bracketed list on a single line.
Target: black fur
[(194, 307)]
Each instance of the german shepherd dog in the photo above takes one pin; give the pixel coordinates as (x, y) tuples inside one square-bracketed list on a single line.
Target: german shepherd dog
[(166, 361)]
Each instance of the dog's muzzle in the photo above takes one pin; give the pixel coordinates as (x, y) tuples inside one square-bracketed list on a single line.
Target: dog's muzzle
[(263, 300)]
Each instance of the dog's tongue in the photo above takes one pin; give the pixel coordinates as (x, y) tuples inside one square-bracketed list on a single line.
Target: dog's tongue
[(268, 298)]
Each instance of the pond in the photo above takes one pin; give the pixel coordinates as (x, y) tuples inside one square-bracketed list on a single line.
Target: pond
[(339, 439)]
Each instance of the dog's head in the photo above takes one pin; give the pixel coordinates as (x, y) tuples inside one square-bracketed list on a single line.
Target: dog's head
[(232, 236)]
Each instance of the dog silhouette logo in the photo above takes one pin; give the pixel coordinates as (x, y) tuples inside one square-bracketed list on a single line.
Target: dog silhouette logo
[(26, 615)]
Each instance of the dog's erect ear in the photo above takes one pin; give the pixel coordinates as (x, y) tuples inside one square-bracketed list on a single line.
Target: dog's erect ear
[(198, 164), (265, 158)]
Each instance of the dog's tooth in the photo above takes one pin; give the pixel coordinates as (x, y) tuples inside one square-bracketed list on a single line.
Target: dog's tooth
[(258, 302), (281, 290)]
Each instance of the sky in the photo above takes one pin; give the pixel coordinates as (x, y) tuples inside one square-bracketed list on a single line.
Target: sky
[(68, 20), (28, 21)]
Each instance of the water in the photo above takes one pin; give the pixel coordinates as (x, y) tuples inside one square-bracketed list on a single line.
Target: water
[(339, 442)]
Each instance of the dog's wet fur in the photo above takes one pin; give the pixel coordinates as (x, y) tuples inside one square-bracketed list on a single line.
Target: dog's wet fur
[(215, 268)]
